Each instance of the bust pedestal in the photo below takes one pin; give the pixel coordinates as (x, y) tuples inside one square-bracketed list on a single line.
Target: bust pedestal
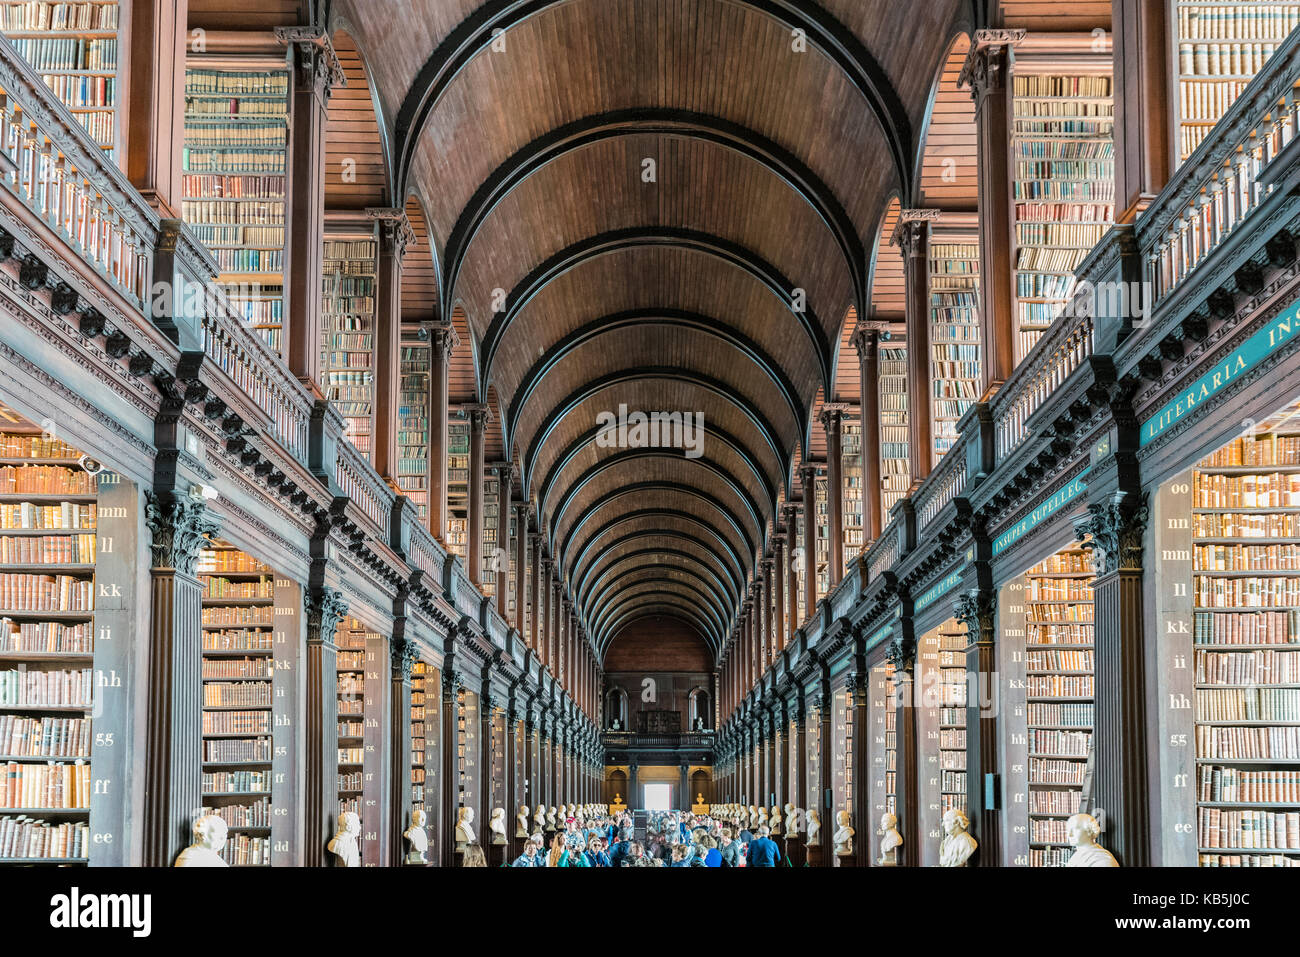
[(814, 855), (796, 851)]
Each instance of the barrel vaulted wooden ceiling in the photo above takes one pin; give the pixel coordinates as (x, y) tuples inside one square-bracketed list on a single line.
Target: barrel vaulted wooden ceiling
[(623, 201)]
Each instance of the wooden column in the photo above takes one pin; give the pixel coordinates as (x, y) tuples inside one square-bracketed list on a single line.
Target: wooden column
[(442, 341), (315, 71), (325, 611), (1145, 151), (505, 476), (531, 771), (449, 785), (404, 654), (394, 234), (553, 637), (903, 655), (863, 821), (795, 847), (478, 420), (155, 105), (866, 340), (515, 776), (987, 74), (824, 760), (172, 769), (913, 235), (760, 625), (975, 610), (487, 705), (538, 601), (1119, 739), (521, 569), (832, 417), (808, 480)]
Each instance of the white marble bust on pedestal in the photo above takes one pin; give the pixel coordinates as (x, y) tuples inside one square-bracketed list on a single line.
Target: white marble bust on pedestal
[(553, 818), (209, 838), (956, 846), (345, 845), (814, 820), (843, 836), (791, 821), (1083, 830), (762, 817), (890, 840), (521, 821), (465, 827), (774, 820), (417, 838), (539, 819), (497, 825)]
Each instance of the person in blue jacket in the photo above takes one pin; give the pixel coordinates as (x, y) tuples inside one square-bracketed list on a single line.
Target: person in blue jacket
[(763, 851)]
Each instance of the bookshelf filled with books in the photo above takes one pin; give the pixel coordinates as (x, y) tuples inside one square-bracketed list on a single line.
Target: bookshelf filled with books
[(882, 716), (413, 424), (348, 332), (954, 332), (233, 182), (469, 774), (842, 748), (851, 493), (420, 705), (74, 48), (1063, 185), (940, 729), (458, 485), (490, 557), (822, 560), (1246, 648), (801, 566), (350, 670), (1048, 658), (895, 468), (48, 712), (238, 669), (1220, 48)]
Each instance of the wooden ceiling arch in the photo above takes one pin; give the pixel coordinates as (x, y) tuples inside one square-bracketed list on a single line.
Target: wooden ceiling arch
[(657, 541), (666, 607), (627, 582), (652, 589)]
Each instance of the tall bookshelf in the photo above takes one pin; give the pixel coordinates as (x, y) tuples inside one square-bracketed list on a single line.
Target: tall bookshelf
[(419, 732), (851, 493), (48, 516), (351, 667), (1063, 186), (458, 486), (1059, 667), (951, 647), (348, 332), (489, 557), (895, 468), (1220, 48), (1246, 641), (413, 425), (237, 674), (805, 566), (954, 334), (883, 715), (842, 750), (74, 48), (233, 167), (823, 558)]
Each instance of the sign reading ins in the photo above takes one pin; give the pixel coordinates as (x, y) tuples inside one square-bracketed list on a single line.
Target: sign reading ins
[(1245, 357), (1063, 496)]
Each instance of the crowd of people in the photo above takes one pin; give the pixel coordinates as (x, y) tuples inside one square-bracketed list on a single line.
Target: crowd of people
[(673, 839)]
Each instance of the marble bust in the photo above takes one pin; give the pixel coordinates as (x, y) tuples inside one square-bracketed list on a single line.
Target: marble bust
[(1083, 830), (521, 821), (774, 819), (344, 845), (209, 838), (791, 820), (814, 820), (843, 836), (762, 817), (497, 825), (552, 818), (890, 840), (539, 819), (956, 846), (753, 818), (417, 838), (465, 826)]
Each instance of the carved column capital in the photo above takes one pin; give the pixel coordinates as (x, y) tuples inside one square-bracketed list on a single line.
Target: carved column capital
[(901, 653), (988, 63), (479, 416), (443, 339), (394, 227), (316, 64), (325, 611), (1115, 527), (975, 609), (180, 528), (912, 234), (452, 682), (404, 653)]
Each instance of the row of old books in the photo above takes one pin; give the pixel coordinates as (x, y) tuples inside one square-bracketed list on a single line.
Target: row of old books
[(1246, 525), (1271, 741), (54, 785), (1247, 704), (1272, 490), (1247, 628), (236, 615), (34, 516), (1268, 449), (47, 689), (30, 15), (45, 480), (217, 587), (1248, 667), (1272, 592), (22, 736), (1247, 829), (48, 549), (1241, 558)]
